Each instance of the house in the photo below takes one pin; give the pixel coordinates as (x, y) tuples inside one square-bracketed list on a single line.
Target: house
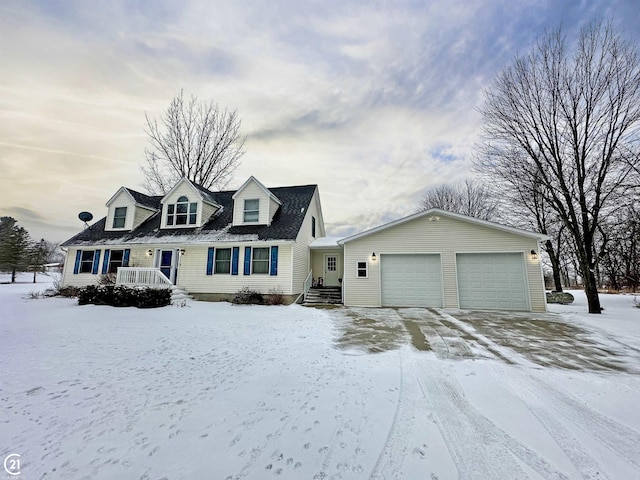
[(212, 244), (437, 258)]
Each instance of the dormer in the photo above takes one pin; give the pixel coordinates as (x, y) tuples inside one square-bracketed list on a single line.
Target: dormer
[(128, 209), (254, 204), (187, 206)]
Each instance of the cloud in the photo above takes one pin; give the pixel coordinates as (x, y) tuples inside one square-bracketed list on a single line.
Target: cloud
[(375, 102)]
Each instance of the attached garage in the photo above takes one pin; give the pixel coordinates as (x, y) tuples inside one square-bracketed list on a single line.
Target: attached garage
[(492, 281), (411, 280), (443, 259)]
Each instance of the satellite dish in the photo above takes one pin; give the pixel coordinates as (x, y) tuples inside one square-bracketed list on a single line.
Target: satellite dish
[(85, 216)]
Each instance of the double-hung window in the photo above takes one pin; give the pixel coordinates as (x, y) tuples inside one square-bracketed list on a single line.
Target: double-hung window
[(361, 271), (252, 210), (183, 212), (86, 262), (260, 260), (223, 260), (119, 217), (115, 260)]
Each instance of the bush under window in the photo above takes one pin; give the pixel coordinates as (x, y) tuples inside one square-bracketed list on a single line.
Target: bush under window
[(121, 296)]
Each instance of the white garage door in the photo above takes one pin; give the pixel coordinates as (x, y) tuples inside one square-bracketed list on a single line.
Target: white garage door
[(494, 281), (411, 280)]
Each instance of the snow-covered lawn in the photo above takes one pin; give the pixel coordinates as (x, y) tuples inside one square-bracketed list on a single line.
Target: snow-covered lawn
[(215, 391)]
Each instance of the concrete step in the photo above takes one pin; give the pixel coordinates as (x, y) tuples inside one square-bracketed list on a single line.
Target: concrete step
[(178, 294), (324, 296)]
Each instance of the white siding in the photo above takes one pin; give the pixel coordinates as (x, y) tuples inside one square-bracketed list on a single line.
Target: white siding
[(446, 236), (141, 214), (137, 258), (192, 271), (185, 189), (318, 261), (122, 199), (253, 191), (301, 255)]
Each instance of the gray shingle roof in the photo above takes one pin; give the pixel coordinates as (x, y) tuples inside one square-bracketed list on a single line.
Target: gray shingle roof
[(145, 200), (285, 225)]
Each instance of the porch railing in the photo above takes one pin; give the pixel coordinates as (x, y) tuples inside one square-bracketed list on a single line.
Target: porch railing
[(307, 284), (148, 277)]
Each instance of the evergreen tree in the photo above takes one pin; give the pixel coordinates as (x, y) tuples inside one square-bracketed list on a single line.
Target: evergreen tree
[(14, 247)]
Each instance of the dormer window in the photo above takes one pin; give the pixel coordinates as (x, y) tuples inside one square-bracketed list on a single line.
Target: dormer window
[(252, 210), (182, 212), (119, 217)]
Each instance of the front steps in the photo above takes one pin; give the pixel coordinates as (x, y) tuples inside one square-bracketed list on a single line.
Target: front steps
[(324, 296), (179, 295)]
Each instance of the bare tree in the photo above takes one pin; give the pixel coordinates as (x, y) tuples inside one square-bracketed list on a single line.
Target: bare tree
[(528, 208), (194, 139), (467, 198), (567, 118)]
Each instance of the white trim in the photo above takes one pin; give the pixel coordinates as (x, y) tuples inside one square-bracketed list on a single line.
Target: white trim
[(435, 212), (244, 211), (257, 182), (366, 266), (197, 191)]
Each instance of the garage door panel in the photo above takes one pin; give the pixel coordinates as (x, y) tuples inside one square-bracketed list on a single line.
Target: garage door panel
[(411, 280), (492, 281)]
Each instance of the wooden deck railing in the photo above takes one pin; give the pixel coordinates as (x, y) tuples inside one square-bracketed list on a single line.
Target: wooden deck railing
[(148, 277)]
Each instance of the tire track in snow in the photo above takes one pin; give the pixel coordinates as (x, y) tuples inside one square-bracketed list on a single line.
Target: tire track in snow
[(617, 437), (479, 448), (391, 458)]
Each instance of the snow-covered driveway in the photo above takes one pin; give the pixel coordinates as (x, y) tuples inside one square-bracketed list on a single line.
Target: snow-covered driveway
[(216, 391)]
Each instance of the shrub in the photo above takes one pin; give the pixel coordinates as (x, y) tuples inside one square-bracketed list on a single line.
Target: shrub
[(58, 289), (69, 292), (153, 297), (246, 296), (89, 295), (121, 296), (107, 279), (275, 296)]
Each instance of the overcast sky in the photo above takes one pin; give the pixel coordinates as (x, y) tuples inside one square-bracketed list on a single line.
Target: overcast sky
[(373, 101)]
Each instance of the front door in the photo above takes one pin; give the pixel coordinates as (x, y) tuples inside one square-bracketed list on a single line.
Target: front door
[(167, 264), (331, 273)]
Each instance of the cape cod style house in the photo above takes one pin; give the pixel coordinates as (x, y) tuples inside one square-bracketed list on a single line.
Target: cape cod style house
[(213, 244), (210, 244)]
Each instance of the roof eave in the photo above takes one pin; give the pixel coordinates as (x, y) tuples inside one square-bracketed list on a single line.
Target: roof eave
[(458, 216)]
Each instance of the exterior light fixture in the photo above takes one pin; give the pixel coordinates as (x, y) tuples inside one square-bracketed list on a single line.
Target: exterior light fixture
[(373, 256), (182, 252), (149, 253), (534, 254)]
